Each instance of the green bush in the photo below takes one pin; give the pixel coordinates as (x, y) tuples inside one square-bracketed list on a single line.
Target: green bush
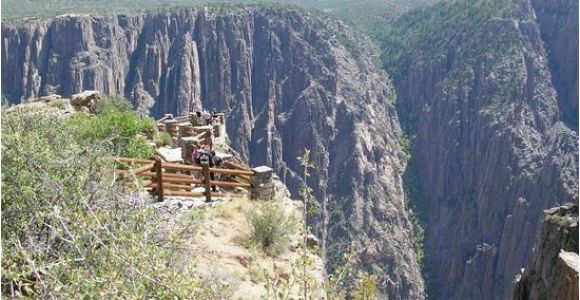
[(164, 139), (69, 232), (116, 130), (272, 227), (114, 103)]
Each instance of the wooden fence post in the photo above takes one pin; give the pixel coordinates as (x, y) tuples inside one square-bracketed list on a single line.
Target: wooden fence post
[(159, 175), (206, 182)]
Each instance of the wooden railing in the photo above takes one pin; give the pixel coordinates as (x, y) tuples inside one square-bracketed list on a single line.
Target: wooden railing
[(170, 179)]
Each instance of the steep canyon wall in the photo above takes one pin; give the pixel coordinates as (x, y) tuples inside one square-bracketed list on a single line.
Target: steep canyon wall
[(288, 80)]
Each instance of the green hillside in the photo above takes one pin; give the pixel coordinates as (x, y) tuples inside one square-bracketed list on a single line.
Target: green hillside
[(364, 13)]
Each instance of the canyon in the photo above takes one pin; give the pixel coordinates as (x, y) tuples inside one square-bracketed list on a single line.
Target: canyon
[(287, 81), (479, 119), (490, 146)]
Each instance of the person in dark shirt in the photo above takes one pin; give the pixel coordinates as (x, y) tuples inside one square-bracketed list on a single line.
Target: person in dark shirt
[(207, 155)]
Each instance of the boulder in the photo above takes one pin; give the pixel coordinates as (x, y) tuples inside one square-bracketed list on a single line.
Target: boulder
[(86, 101)]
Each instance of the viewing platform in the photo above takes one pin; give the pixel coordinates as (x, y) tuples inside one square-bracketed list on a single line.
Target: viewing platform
[(197, 163)]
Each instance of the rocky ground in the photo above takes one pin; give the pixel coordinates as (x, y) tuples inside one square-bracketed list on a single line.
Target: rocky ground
[(221, 249)]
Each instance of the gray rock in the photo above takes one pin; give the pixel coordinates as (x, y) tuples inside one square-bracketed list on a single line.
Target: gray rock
[(490, 145), (86, 101), (553, 271)]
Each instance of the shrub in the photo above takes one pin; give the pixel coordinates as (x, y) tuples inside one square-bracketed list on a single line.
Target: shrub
[(114, 103), (117, 130), (164, 139), (68, 232), (272, 227), (366, 288)]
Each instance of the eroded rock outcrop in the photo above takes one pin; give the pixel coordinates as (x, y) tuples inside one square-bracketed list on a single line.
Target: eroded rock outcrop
[(489, 144), (553, 272), (288, 80)]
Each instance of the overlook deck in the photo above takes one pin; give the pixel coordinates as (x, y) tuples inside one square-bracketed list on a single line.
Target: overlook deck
[(193, 165)]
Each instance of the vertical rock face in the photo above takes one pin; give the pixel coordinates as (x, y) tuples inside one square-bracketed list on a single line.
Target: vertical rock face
[(489, 145), (558, 20), (553, 272), (288, 81)]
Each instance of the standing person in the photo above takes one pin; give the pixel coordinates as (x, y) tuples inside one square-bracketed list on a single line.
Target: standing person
[(218, 162), (207, 155), (207, 117), (198, 118), (194, 118), (195, 161), (211, 165), (202, 154)]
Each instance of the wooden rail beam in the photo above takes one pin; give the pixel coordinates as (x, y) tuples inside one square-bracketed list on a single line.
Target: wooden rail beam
[(163, 181), (238, 180), (244, 177), (231, 172), (197, 194), (165, 175), (230, 184), (182, 180), (133, 160), (201, 135), (168, 186), (144, 168), (167, 116), (235, 166), (173, 166), (172, 182), (212, 170), (147, 183)]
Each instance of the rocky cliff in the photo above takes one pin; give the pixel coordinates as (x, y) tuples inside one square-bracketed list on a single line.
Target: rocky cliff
[(288, 80), (558, 21), (490, 148), (553, 272)]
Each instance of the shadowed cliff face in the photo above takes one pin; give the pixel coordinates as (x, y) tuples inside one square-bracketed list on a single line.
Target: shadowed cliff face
[(288, 81), (558, 21), (491, 151)]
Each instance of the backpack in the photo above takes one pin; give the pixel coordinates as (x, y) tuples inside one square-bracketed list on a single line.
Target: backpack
[(204, 158)]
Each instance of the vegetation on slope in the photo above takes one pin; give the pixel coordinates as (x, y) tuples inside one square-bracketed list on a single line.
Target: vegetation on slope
[(271, 228), (430, 30), (365, 14), (68, 231), (117, 127)]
